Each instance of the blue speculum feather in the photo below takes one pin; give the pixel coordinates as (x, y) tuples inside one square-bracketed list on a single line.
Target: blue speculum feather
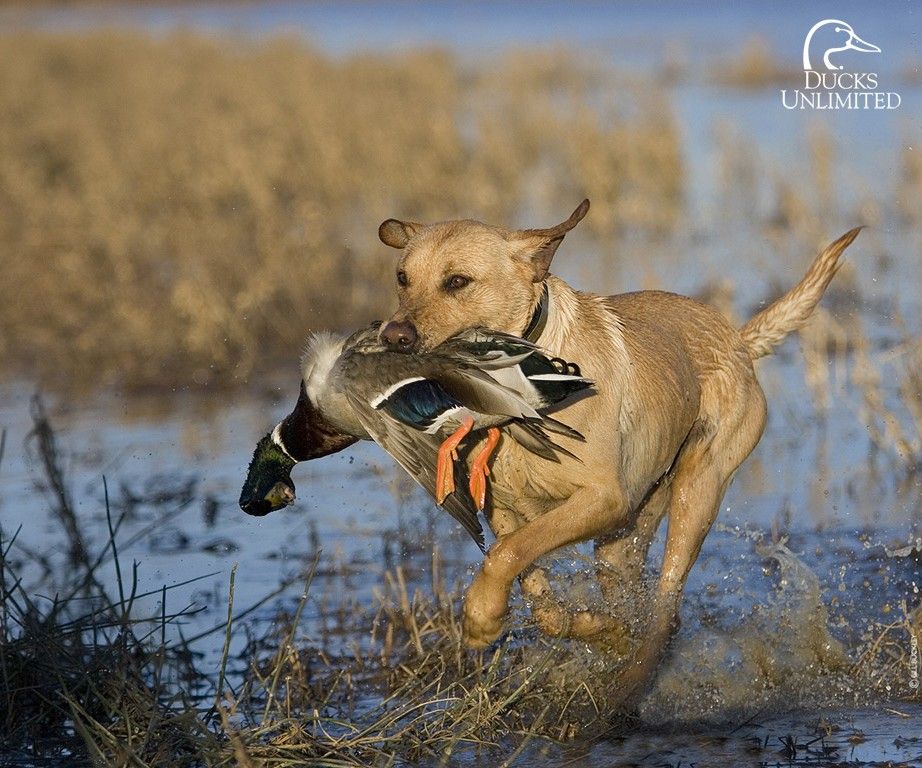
[(418, 403)]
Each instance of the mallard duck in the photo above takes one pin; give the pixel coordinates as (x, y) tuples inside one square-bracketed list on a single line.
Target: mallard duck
[(419, 407)]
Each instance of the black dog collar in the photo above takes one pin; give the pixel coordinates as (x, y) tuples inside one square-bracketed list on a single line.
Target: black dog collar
[(539, 319)]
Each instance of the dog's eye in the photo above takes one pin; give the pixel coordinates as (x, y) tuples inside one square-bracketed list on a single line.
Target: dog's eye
[(457, 282), (402, 279)]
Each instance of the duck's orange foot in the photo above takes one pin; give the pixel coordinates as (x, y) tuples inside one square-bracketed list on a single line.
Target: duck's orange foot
[(480, 469), (444, 466)]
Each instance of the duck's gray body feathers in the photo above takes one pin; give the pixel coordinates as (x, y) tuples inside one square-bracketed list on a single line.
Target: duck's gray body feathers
[(410, 402)]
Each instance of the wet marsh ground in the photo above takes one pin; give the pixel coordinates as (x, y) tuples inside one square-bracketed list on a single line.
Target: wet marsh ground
[(181, 209)]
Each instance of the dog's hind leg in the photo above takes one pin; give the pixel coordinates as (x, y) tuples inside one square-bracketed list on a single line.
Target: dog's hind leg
[(702, 475), (621, 557), (704, 490)]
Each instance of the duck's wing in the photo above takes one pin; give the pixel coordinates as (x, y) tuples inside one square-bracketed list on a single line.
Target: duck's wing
[(440, 387), (483, 392), (416, 401), (486, 349), (516, 364), (416, 452)]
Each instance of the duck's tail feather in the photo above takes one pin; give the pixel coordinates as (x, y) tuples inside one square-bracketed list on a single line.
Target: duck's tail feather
[(531, 436), (554, 388), (558, 427)]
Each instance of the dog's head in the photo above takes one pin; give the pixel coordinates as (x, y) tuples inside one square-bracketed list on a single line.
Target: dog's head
[(456, 275)]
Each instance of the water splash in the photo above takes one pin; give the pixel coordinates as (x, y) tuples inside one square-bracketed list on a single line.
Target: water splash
[(783, 655)]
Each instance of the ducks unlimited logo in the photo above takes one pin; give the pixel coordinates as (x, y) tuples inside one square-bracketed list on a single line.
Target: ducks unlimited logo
[(827, 84)]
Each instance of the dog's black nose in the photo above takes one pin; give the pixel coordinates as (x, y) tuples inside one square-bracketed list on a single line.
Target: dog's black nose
[(399, 333)]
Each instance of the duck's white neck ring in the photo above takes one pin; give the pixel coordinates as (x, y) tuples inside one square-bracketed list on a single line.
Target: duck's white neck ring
[(538, 321), (276, 438)]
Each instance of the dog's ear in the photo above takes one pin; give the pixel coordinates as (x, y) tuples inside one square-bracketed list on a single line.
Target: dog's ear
[(541, 244), (397, 233)]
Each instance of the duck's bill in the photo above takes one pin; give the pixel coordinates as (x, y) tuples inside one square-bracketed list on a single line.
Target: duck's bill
[(857, 44), (280, 495), (268, 486)]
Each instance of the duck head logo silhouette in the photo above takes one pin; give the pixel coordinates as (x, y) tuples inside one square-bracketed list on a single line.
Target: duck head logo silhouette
[(827, 84), (838, 36)]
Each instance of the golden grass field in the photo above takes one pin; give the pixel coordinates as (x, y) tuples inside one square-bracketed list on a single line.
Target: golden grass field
[(183, 209)]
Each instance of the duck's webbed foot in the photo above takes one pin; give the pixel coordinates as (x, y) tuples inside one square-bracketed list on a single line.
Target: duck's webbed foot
[(480, 469), (444, 467)]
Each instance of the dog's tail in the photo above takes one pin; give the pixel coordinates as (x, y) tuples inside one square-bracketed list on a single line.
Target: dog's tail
[(792, 310)]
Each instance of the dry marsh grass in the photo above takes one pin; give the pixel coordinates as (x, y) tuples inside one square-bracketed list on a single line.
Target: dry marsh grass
[(756, 65), (184, 209)]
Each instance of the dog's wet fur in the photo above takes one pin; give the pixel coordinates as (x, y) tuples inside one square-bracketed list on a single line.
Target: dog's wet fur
[(677, 410)]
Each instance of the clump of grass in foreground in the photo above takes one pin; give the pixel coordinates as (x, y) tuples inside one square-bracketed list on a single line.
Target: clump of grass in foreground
[(84, 678), (186, 208), (80, 658)]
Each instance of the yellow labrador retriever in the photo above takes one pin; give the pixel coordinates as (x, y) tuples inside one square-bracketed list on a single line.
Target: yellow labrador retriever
[(678, 408)]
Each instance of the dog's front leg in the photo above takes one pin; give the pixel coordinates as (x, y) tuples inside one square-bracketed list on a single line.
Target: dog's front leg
[(587, 513)]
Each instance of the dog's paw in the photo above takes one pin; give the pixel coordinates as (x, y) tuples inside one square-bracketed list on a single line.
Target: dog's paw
[(484, 609)]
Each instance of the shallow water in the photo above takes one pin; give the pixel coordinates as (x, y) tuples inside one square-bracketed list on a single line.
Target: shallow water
[(801, 570), (818, 543)]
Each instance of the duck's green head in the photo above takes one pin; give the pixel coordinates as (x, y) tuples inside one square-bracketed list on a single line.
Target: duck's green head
[(268, 486)]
